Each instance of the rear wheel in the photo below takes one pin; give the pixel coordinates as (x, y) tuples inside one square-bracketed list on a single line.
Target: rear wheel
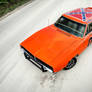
[(71, 64)]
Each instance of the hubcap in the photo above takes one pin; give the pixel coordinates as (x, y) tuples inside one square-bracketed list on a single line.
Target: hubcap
[(71, 64)]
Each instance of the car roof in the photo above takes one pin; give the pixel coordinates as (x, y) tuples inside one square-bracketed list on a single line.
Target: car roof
[(83, 15)]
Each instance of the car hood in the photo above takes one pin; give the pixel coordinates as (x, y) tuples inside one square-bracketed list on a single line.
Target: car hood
[(48, 43)]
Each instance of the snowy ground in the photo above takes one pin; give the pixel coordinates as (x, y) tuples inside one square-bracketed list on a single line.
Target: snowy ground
[(19, 75)]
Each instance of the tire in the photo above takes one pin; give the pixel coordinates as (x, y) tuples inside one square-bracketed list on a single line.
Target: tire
[(71, 64), (90, 41)]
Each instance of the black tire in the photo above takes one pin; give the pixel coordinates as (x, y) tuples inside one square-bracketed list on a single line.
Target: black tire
[(71, 64), (90, 41)]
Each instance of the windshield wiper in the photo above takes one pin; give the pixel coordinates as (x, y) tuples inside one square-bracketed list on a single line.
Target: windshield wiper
[(69, 28)]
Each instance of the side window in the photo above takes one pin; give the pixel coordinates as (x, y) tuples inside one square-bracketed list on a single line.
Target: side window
[(89, 29)]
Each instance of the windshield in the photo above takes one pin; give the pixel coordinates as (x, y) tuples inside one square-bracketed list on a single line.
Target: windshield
[(70, 26)]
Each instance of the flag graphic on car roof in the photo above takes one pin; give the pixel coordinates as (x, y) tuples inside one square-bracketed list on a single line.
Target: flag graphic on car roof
[(81, 13)]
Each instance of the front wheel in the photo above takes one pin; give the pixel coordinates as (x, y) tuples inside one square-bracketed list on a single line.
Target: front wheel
[(71, 64)]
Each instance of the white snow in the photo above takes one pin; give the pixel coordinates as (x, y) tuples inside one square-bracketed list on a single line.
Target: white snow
[(17, 74)]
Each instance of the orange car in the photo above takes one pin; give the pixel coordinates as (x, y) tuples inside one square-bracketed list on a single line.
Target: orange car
[(57, 46)]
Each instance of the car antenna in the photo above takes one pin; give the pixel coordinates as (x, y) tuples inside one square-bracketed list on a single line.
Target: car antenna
[(48, 23)]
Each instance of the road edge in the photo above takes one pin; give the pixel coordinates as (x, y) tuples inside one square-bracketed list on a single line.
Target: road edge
[(15, 10)]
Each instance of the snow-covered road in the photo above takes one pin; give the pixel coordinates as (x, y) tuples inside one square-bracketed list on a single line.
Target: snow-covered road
[(19, 75)]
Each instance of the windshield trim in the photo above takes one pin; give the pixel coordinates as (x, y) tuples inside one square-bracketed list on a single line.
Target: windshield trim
[(71, 28)]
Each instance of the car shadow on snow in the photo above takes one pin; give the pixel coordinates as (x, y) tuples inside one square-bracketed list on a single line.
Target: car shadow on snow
[(50, 80)]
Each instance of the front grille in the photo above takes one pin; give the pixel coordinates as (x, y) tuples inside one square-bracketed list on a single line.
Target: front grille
[(37, 60)]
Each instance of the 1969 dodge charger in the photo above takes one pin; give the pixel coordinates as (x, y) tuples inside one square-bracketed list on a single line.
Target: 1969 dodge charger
[(57, 46)]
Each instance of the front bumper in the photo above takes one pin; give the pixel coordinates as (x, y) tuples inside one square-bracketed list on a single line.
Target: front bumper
[(37, 62)]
